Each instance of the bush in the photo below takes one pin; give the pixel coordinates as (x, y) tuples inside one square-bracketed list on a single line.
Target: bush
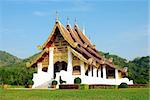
[(77, 80), (123, 85), (84, 87), (54, 82), (30, 82)]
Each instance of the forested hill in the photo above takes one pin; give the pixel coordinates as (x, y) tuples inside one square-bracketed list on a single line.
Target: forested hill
[(118, 61), (7, 58)]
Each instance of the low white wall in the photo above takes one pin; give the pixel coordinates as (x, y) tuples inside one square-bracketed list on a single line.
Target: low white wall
[(43, 77), (91, 80)]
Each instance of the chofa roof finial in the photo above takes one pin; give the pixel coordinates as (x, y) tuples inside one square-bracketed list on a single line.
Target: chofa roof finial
[(75, 20), (56, 16), (83, 30), (67, 20)]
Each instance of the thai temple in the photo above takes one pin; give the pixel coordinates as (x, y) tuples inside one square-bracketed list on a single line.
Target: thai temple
[(68, 54)]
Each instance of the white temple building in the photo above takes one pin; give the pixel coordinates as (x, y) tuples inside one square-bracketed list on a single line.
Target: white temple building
[(68, 54)]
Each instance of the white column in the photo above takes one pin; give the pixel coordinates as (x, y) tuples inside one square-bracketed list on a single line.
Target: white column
[(99, 72), (69, 80), (39, 65), (51, 63), (69, 67), (116, 73), (94, 72), (104, 72), (90, 71), (82, 69)]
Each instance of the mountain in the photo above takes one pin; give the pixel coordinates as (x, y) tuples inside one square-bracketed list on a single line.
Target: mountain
[(7, 58), (31, 58), (13, 70)]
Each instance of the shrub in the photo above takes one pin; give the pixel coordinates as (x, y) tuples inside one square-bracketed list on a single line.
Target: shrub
[(54, 82), (77, 80), (30, 82), (123, 85), (84, 87)]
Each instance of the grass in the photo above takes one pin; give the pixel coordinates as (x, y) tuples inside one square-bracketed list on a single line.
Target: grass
[(13, 86), (92, 94)]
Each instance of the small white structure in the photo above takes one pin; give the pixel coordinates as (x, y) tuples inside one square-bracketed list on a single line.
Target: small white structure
[(68, 54)]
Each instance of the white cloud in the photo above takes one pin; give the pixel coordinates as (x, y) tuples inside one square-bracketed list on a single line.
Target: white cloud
[(39, 13)]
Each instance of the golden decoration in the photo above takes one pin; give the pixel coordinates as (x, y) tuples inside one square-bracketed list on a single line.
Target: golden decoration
[(75, 44), (39, 47), (85, 45), (90, 60), (61, 56)]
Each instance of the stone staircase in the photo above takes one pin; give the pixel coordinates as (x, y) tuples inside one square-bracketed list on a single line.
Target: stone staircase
[(44, 85)]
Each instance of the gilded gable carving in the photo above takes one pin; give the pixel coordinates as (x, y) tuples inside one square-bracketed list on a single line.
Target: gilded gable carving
[(60, 48), (45, 61)]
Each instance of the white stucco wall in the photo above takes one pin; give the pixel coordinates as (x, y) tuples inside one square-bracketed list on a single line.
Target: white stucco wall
[(41, 78)]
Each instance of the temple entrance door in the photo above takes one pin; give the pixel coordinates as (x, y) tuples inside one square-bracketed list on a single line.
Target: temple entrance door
[(58, 66)]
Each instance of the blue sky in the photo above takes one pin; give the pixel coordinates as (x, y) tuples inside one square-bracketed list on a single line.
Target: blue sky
[(116, 26)]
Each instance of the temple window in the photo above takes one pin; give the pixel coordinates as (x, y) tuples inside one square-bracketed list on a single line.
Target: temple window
[(121, 75), (58, 66), (110, 73), (44, 69), (76, 70)]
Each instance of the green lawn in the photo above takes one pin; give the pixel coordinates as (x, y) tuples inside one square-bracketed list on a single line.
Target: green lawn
[(92, 94)]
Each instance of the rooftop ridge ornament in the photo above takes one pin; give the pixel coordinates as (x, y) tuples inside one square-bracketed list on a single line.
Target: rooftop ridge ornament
[(56, 16), (83, 30), (67, 20), (75, 20)]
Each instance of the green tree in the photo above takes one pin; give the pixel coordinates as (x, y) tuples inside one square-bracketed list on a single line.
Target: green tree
[(139, 70)]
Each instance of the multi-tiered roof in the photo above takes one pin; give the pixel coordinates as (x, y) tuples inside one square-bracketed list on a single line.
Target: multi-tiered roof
[(80, 46)]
